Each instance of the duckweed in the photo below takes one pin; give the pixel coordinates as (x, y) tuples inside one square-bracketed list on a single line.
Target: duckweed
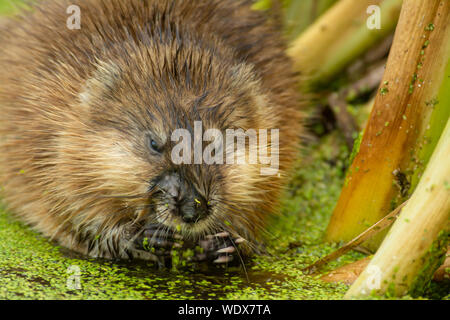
[(33, 267)]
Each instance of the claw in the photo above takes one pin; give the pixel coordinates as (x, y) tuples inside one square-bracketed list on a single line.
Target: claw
[(227, 250), (219, 248), (222, 235), (223, 259)]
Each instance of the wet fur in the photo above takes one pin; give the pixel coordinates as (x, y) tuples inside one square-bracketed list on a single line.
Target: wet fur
[(75, 107)]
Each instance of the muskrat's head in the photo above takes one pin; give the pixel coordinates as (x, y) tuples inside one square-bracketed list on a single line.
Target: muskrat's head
[(140, 158)]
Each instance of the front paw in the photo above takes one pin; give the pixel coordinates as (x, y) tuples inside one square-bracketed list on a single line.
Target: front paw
[(220, 248), (158, 240)]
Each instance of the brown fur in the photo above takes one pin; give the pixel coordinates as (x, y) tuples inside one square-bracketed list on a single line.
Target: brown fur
[(74, 106)]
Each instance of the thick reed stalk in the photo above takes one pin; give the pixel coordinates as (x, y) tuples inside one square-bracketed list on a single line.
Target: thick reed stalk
[(409, 115), (339, 36), (416, 245)]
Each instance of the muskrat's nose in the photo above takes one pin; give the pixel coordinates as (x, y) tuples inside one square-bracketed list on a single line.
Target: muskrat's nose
[(193, 209), (189, 204), (189, 215)]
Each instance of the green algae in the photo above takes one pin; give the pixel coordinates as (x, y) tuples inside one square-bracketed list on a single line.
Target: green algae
[(433, 258), (356, 147), (32, 267)]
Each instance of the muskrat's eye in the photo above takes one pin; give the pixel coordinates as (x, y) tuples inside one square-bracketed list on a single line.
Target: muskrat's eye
[(155, 146)]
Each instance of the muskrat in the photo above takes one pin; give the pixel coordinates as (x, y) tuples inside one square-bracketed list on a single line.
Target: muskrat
[(87, 116)]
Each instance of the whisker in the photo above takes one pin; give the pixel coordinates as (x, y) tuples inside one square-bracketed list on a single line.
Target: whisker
[(237, 250), (241, 259), (237, 212)]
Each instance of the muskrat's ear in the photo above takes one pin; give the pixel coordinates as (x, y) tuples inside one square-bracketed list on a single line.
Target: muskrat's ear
[(101, 83)]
